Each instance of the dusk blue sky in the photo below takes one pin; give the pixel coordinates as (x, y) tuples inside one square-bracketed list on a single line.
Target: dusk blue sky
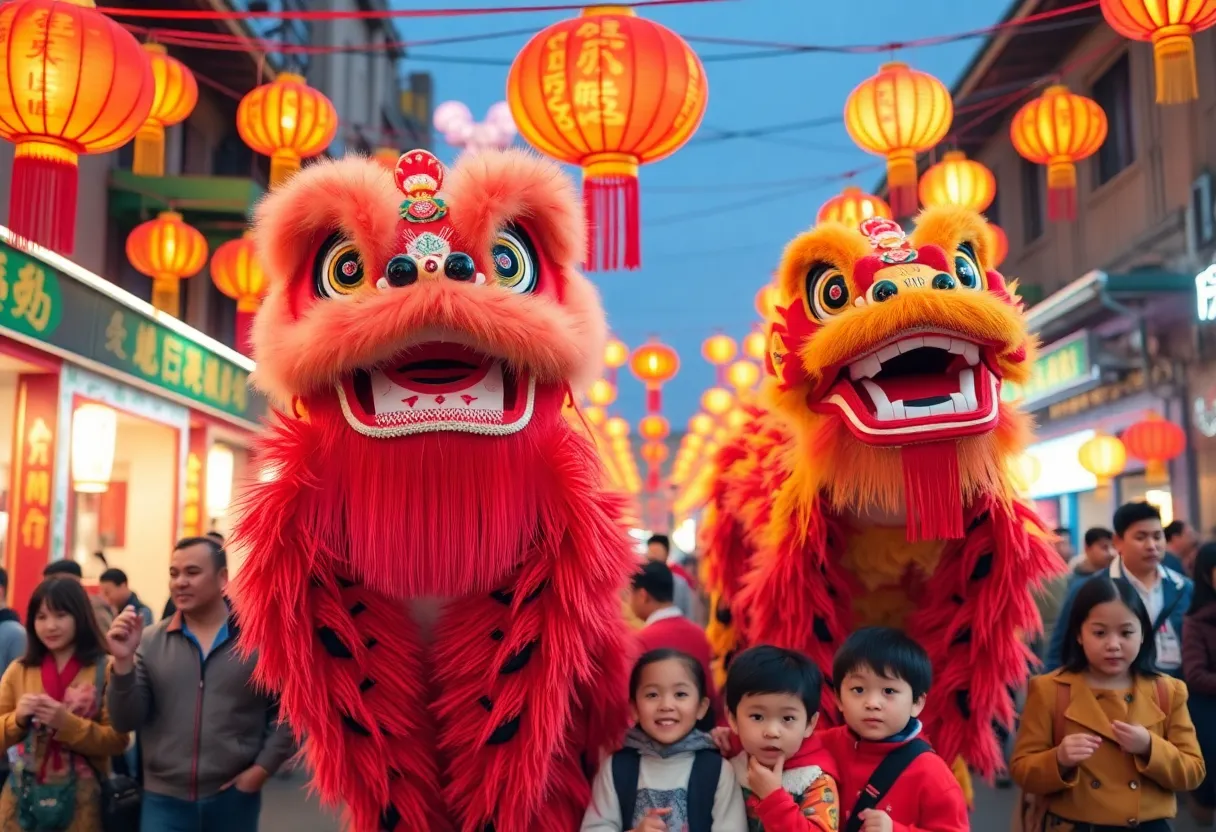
[(702, 261)]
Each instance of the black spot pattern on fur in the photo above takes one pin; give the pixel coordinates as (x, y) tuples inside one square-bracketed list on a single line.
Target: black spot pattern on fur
[(963, 699), (332, 644), (520, 660), (389, 818), (963, 637), (345, 583), (485, 702), (980, 519), (358, 608), (983, 567), (505, 732), (354, 726), (366, 685), (497, 635), (821, 630), (506, 596)]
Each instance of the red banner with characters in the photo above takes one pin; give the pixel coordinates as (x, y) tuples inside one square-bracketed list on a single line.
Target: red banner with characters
[(31, 485)]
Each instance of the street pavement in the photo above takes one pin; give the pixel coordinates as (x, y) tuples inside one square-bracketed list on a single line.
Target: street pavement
[(287, 808)]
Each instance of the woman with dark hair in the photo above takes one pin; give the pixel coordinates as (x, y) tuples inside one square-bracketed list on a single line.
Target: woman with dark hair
[(1107, 737), (52, 708), (1199, 670)]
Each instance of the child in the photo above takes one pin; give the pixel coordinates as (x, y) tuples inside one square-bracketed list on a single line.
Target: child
[(669, 775), (772, 698), (890, 779), (1107, 740)]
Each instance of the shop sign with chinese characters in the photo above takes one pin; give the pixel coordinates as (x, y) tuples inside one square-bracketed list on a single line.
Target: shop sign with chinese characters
[(1061, 369), (45, 304), (31, 504), (192, 511)]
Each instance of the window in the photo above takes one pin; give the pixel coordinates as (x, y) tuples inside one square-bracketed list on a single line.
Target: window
[(1033, 206), (1113, 93)]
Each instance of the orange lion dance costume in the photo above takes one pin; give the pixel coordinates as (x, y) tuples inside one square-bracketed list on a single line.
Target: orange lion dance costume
[(433, 572), (897, 506)]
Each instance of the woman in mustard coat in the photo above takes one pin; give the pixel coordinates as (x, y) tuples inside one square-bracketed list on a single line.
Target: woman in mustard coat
[(52, 711), (1107, 741)]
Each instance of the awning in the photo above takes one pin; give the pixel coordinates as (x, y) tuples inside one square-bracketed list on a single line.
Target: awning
[(1074, 306)]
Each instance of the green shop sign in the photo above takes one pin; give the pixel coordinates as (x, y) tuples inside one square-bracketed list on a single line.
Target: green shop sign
[(58, 309), (1059, 370)]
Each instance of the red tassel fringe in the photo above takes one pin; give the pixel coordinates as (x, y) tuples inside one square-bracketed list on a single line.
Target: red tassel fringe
[(42, 205), (933, 492), (654, 399), (904, 200), (244, 331), (608, 203), (1061, 204)]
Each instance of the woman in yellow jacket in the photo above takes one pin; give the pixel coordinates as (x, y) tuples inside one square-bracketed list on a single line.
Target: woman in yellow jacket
[(1106, 741), (53, 714)]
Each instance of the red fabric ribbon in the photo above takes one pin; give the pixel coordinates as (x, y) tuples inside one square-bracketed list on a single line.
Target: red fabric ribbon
[(55, 684)]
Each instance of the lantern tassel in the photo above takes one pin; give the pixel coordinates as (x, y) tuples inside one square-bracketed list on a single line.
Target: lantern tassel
[(901, 183), (1174, 60), (42, 203), (1156, 472), (244, 331), (654, 399), (149, 150), (652, 478), (613, 215), (282, 166), (1061, 191), (166, 295)]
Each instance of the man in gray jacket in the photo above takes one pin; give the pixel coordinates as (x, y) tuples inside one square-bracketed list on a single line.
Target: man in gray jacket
[(209, 738)]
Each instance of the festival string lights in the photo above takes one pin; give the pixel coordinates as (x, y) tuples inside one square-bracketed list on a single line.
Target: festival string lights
[(654, 364)]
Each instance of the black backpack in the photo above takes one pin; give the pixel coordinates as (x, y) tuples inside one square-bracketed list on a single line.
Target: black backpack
[(884, 777), (702, 786)]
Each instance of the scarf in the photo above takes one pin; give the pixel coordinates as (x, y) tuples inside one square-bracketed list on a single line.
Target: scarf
[(642, 742), (55, 684)]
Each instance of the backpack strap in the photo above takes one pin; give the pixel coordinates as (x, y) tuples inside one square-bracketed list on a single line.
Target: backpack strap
[(626, 764), (702, 788), (884, 777)]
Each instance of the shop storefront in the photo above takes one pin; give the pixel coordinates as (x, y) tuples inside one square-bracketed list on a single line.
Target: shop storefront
[(124, 429)]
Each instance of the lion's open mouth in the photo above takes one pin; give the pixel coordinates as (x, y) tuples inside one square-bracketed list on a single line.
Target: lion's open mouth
[(438, 387), (928, 382)]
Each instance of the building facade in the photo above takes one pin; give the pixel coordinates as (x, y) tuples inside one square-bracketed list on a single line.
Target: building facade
[(1112, 295), (166, 453)]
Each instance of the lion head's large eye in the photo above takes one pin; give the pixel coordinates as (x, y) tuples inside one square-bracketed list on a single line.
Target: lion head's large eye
[(967, 267), (338, 269), (827, 291), (515, 264)]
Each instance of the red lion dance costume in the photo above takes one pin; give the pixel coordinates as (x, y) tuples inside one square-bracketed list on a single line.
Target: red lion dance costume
[(894, 503), (433, 572)]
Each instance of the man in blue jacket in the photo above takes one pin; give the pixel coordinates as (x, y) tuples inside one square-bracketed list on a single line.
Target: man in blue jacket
[(1140, 541)]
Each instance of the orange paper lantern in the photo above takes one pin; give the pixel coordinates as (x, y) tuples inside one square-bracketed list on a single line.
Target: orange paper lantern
[(288, 121), (1000, 245), (898, 113), (1155, 441), (1168, 25), (701, 425), (237, 273), (766, 302), (719, 349), (167, 250), (74, 82), (616, 428), (852, 206), (587, 92), (654, 364), (1059, 129), (957, 180), (717, 400), (1103, 456), (654, 428), (387, 157), (601, 393), (616, 354), (174, 100), (743, 375), (755, 345), (654, 453)]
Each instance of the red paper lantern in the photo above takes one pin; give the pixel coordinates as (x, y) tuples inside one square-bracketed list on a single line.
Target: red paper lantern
[(73, 82), (237, 273), (1059, 129), (1155, 441), (1000, 246)]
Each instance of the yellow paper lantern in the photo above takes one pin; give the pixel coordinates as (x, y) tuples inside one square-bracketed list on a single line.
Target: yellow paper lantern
[(717, 401), (755, 345), (702, 424), (852, 206), (1169, 25), (174, 101), (957, 180), (1103, 456), (719, 349), (743, 375), (601, 393), (616, 428), (654, 428), (616, 353), (737, 418), (168, 250), (595, 415), (1059, 129), (288, 121), (1025, 469)]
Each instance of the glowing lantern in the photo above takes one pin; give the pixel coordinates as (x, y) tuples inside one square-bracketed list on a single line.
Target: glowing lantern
[(221, 467), (701, 425), (717, 400), (595, 415), (755, 345), (1026, 470), (74, 82), (167, 250), (719, 349), (1000, 246), (601, 393), (693, 441), (94, 436), (1155, 441), (1103, 456), (654, 453), (1059, 129), (654, 428), (898, 113), (616, 428), (957, 180), (288, 121), (851, 206), (236, 271), (387, 157), (587, 92), (766, 302), (737, 418), (1168, 25), (176, 95), (654, 364), (743, 375)]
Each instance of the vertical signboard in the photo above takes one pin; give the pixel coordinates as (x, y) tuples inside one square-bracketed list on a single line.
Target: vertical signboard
[(194, 520), (29, 531)]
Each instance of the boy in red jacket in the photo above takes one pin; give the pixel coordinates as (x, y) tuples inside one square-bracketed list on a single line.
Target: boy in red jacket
[(772, 702), (890, 778)]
